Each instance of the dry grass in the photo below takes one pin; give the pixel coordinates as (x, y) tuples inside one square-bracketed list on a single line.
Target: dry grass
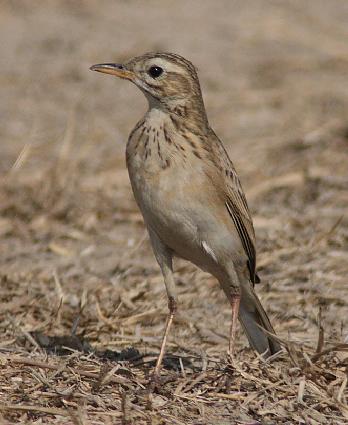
[(76, 267)]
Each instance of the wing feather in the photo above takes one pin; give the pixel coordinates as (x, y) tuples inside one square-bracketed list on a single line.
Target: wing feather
[(237, 206)]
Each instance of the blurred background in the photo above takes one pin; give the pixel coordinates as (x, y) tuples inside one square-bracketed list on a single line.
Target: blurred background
[(274, 81)]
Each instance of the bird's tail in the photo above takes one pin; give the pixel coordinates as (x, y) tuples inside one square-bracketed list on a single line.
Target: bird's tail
[(253, 318)]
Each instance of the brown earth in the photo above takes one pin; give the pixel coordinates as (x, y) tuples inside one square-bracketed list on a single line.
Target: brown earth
[(274, 78)]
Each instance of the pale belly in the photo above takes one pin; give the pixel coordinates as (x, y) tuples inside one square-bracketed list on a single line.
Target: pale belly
[(181, 207), (164, 201)]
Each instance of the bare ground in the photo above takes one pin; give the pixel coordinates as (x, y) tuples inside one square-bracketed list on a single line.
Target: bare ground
[(274, 77)]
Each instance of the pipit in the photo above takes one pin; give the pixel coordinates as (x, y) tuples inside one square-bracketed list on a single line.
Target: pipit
[(189, 193)]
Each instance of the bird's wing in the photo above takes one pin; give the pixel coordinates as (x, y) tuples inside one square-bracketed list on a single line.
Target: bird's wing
[(237, 206)]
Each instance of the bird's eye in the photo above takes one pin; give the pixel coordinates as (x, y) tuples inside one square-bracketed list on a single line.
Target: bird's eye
[(155, 71)]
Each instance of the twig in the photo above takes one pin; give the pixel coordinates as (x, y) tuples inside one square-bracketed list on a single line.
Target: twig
[(320, 343), (337, 347), (92, 375), (30, 408)]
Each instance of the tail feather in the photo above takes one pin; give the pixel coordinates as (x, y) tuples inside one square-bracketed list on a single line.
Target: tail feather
[(253, 317)]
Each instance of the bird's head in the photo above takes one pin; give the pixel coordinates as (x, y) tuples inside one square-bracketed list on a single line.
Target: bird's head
[(167, 80)]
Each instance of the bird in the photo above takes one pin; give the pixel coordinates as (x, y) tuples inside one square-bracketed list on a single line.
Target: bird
[(189, 193)]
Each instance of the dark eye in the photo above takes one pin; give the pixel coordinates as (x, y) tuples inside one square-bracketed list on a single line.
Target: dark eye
[(155, 71)]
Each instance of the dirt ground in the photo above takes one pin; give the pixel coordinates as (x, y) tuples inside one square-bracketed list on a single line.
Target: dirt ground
[(75, 261)]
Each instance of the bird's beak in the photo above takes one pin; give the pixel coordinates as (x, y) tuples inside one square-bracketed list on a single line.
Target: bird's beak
[(114, 69)]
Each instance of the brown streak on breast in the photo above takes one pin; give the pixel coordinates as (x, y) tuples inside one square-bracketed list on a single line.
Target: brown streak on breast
[(166, 164), (138, 138), (159, 150), (140, 123), (166, 135), (147, 152), (146, 141)]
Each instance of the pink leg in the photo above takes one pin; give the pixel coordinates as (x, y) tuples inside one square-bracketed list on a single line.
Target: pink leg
[(164, 258), (235, 310), (172, 310)]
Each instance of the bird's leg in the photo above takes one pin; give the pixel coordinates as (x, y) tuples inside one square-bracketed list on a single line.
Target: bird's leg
[(172, 310), (231, 285), (164, 258), (235, 301)]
